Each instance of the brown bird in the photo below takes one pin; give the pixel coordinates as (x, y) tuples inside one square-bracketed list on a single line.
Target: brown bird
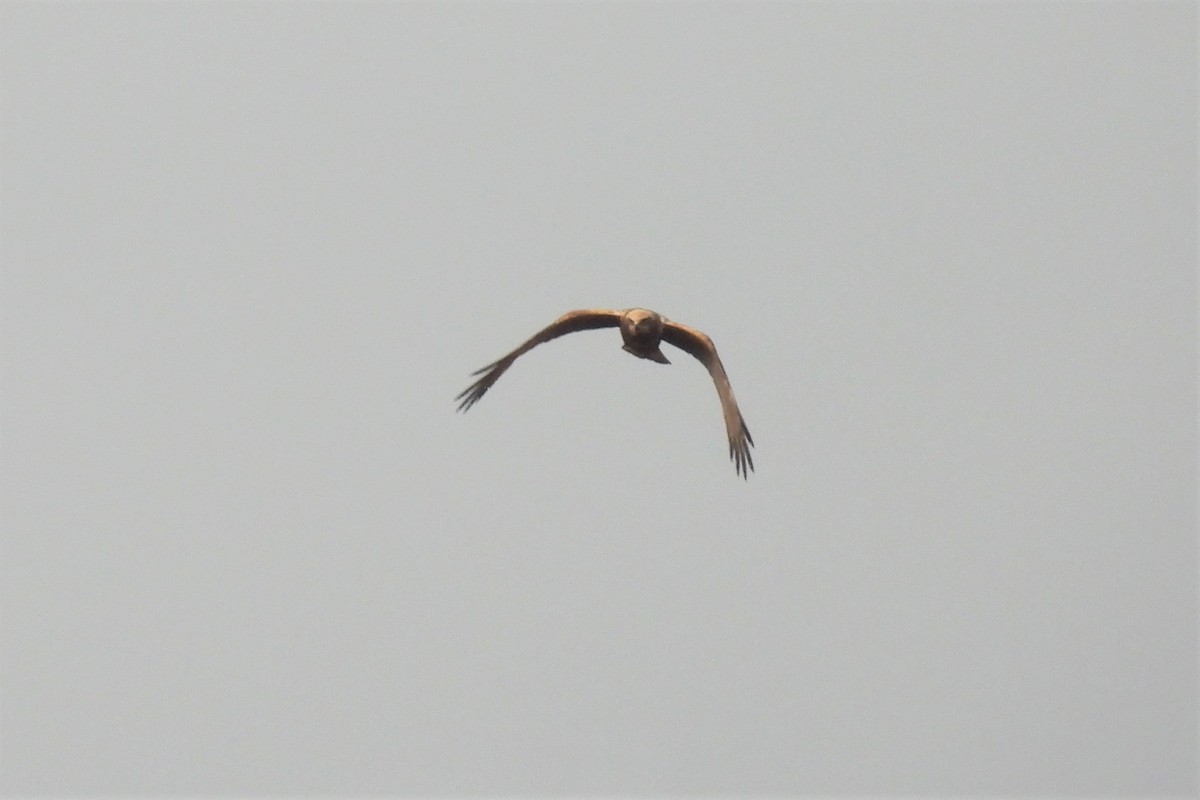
[(642, 332)]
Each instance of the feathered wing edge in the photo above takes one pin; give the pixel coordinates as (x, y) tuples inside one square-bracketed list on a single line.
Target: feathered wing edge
[(572, 321), (697, 344)]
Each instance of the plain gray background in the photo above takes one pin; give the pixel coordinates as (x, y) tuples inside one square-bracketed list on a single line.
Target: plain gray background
[(251, 252)]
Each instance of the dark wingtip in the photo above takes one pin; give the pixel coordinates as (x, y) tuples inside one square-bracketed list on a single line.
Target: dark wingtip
[(469, 397), (743, 462)]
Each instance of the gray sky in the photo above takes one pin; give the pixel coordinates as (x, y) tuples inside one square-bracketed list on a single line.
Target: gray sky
[(252, 251)]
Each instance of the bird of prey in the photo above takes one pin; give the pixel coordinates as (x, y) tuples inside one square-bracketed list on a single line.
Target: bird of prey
[(642, 331)]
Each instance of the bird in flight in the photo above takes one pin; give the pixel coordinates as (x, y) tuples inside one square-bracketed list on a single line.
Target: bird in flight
[(642, 331)]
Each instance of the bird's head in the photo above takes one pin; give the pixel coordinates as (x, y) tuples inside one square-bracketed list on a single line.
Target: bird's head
[(642, 320)]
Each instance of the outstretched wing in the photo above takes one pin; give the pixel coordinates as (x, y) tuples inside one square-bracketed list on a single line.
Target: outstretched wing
[(697, 344), (570, 322)]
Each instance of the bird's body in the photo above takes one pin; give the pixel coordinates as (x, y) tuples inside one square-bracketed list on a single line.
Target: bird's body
[(642, 331)]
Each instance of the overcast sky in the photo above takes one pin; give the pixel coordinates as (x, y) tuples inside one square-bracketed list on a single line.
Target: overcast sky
[(252, 251)]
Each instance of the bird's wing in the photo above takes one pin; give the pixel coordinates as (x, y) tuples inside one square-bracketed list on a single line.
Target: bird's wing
[(697, 344), (570, 322)]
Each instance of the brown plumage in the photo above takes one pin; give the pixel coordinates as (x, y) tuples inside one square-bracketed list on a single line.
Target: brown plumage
[(642, 332)]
